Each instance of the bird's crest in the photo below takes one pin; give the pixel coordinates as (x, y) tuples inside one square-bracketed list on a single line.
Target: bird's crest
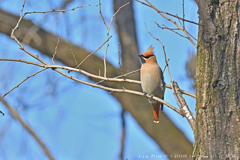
[(149, 52)]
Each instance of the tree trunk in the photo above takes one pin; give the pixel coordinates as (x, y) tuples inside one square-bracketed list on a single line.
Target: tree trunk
[(217, 81)]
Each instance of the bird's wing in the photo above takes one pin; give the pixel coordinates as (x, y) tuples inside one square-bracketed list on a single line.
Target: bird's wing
[(163, 84)]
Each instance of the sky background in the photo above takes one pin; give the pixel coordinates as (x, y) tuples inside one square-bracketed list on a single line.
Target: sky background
[(60, 110)]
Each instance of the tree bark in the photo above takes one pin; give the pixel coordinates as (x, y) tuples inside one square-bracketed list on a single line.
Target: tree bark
[(166, 134), (217, 81)]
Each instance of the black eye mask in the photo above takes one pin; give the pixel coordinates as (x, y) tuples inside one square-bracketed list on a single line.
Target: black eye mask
[(147, 57)]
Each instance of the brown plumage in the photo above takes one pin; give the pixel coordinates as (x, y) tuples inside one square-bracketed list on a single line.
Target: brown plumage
[(152, 80)]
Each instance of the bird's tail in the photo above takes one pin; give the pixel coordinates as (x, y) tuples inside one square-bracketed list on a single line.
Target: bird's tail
[(156, 108)]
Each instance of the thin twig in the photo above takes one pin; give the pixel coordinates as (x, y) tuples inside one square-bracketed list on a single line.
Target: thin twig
[(21, 46), (15, 39), (192, 36), (93, 52), (55, 51), (20, 19), (123, 75), (74, 57), (92, 75), (101, 14), (171, 29), (187, 31), (183, 14), (17, 116), (168, 13), (108, 29), (22, 61), (119, 58), (62, 10), (169, 19), (166, 65), (23, 81), (22, 8), (174, 93)]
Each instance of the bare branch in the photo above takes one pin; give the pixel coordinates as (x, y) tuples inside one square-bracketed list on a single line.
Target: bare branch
[(21, 46), (183, 14), (119, 58), (74, 57), (17, 116), (92, 75), (23, 81), (185, 109), (101, 14), (166, 65), (137, 82), (21, 17), (93, 52), (192, 36), (167, 13), (95, 85), (22, 8), (171, 29), (188, 32), (55, 51), (23, 61), (169, 19), (62, 10)]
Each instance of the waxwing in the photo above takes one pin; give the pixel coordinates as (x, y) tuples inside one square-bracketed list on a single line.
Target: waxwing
[(152, 80)]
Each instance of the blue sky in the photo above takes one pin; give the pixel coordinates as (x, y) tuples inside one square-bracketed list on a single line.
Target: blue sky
[(64, 120)]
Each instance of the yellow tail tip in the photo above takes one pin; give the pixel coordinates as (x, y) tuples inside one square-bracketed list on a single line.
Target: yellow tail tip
[(155, 121)]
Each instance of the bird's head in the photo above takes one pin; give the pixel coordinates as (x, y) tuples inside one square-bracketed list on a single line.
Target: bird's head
[(148, 56)]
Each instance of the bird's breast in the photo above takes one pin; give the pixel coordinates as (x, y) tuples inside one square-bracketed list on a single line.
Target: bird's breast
[(149, 83)]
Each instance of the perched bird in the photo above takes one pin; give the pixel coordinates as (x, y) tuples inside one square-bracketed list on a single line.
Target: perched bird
[(152, 80)]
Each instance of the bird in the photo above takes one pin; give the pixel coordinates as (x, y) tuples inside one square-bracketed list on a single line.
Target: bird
[(152, 80)]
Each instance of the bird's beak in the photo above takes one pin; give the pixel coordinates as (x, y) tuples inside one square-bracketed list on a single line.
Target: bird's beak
[(142, 59)]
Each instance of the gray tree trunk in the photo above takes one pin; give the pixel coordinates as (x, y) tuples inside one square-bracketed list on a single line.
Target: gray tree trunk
[(217, 81)]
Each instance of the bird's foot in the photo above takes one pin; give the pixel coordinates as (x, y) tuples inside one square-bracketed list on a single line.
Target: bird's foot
[(151, 96)]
